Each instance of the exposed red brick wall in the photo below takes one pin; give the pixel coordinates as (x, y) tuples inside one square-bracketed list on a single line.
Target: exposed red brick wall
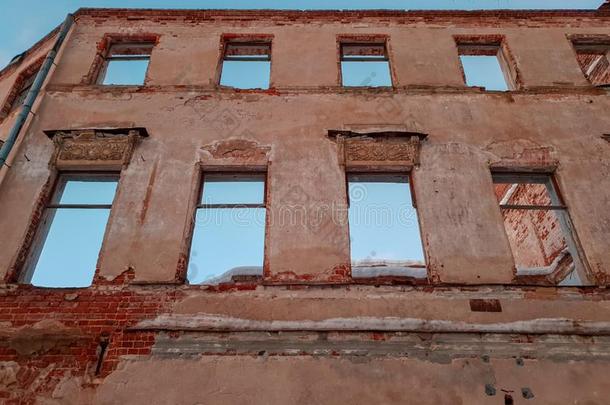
[(462, 17), (32, 69), (535, 236), (56, 333), (600, 74), (14, 273)]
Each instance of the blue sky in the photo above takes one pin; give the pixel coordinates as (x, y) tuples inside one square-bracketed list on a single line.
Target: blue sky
[(24, 22), (383, 224), (484, 71), (74, 230), (227, 238)]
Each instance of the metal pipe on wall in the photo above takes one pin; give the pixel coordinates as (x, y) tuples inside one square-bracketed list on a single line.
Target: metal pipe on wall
[(34, 91)]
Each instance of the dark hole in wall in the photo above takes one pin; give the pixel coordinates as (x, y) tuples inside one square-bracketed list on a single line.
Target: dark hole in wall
[(527, 393), (103, 346), (479, 305)]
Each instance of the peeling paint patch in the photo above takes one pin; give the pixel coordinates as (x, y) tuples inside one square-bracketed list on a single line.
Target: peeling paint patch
[(149, 189), (521, 153), (481, 305), (40, 337), (241, 149)]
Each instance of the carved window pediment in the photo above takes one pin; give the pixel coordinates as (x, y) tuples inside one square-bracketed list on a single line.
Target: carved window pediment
[(394, 148), (94, 148)]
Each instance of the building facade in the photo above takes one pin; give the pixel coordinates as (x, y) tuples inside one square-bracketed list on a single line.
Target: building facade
[(271, 207)]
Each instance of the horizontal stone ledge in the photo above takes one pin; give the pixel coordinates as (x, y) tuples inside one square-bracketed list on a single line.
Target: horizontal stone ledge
[(437, 347), (407, 90), (210, 322)]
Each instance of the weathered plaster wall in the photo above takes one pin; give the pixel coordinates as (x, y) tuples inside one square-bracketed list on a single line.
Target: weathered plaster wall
[(306, 380), (556, 119), (543, 53)]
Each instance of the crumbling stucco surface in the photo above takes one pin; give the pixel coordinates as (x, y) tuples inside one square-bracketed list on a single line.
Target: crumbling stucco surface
[(40, 337), (307, 332)]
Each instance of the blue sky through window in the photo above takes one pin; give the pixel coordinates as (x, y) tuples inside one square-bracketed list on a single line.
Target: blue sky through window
[(228, 241), (98, 191), (246, 74), (71, 246), (371, 74), (125, 72), (71, 249), (383, 224), (225, 239), (240, 190), (484, 71)]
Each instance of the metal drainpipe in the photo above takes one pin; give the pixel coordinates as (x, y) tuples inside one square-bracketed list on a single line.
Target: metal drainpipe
[(34, 90)]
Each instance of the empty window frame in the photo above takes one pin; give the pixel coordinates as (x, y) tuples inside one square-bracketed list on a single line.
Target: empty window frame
[(126, 64), (365, 64), (24, 88), (486, 64), (539, 230), (229, 233), (246, 65), (593, 56), (384, 230), (71, 232)]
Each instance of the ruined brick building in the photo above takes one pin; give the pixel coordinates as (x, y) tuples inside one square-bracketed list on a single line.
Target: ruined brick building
[(406, 207)]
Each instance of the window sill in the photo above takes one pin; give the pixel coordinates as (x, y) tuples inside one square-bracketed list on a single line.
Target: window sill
[(406, 89), (369, 272), (369, 88), (111, 88), (246, 274), (485, 90), (229, 89), (392, 282), (17, 285)]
